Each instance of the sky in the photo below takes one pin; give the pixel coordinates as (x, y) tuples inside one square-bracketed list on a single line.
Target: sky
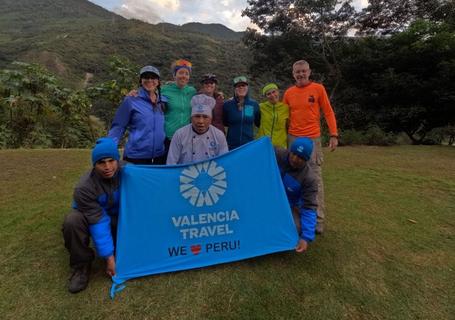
[(226, 12)]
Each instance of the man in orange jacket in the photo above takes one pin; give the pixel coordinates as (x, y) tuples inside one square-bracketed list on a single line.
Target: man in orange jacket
[(306, 100)]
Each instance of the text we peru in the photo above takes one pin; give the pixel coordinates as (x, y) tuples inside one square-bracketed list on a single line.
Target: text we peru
[(196, 249)]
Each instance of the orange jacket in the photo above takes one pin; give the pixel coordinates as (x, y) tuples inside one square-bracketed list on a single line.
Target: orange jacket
[(304, 110)]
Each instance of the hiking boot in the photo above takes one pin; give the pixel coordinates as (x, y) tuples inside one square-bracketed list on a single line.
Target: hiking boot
[(79, 279)]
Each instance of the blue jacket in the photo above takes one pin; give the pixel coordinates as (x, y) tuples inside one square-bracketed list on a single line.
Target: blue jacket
[(98, 199), (240, 122), (145, 123), (301, 189)]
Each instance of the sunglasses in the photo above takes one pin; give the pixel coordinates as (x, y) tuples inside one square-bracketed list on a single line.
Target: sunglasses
[(240, 79), (150, 76)]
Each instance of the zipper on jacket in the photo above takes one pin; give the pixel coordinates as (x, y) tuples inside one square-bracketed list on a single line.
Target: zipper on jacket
[(182, 113), (154, 124), (153, 129), (273, 122), (241, 124)]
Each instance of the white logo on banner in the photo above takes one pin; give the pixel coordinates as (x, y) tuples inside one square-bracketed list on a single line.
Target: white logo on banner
[(202, 184)]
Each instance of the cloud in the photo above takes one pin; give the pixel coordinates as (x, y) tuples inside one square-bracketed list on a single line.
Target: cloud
[(226, 12), (146, 10), (360, 4)]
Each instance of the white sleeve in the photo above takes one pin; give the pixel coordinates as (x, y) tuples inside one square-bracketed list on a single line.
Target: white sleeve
[(175, 149)]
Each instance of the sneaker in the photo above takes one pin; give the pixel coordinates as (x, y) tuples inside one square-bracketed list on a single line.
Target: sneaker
[(79, 279)]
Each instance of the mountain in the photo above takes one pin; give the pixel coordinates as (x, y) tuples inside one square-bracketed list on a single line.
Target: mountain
[(73, 38), (215, 30)]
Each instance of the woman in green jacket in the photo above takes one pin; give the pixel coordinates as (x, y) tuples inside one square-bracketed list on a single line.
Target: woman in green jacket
[(178, 94), (274, 117)]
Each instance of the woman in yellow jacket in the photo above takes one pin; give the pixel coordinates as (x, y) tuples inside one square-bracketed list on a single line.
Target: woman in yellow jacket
[(274, 116)]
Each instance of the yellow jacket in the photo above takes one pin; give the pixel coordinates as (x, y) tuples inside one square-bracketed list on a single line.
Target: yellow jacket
[(273, 122)]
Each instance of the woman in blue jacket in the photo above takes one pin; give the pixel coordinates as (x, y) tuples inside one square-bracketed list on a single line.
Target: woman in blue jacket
[(240, 115), (143, 117)]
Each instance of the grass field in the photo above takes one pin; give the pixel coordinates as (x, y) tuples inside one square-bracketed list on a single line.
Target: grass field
[(388, 253)]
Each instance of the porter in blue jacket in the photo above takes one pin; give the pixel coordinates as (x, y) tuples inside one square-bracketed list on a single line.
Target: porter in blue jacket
[(301, 187), (94, 214)]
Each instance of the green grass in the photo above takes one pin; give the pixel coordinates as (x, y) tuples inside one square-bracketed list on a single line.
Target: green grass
[(388, 253)]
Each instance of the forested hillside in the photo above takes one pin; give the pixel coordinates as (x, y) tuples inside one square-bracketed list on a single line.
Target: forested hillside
[(215, 30), (75, 37), (77, 61)]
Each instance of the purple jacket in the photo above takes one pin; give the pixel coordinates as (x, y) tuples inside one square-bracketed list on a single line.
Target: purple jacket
[(217, 116)]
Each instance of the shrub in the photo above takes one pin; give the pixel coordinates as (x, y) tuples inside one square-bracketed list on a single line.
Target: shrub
[(5, 136), (373, 136)]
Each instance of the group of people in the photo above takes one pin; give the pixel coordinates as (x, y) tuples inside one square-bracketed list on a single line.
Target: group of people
[(175, 124)]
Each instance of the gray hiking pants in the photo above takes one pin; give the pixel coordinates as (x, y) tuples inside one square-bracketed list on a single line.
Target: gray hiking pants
[(77, 237)]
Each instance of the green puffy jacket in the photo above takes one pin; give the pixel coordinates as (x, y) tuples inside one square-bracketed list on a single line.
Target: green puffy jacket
[(274, 122), (178, 111)]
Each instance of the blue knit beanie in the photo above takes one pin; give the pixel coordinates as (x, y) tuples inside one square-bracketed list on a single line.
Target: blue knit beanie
[(303, 147), (105, 148)]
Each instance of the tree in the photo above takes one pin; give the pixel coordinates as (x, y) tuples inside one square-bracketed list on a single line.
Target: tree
[(382, 17), (36, 112), (300, 29), (108, 95), (24, 104), (405, 82)]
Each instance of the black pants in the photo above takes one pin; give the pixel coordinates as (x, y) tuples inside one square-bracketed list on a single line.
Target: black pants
[(156, 160), (77, 238)]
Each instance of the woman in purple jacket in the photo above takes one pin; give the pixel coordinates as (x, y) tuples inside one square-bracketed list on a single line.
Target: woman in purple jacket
[(209, 85)]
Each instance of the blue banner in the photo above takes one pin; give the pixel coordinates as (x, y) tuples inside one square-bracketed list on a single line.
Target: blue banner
[(180, 217)]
